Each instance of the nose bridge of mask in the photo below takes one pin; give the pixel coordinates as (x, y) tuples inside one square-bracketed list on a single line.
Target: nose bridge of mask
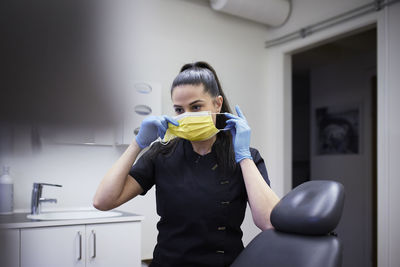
[(193, 126)]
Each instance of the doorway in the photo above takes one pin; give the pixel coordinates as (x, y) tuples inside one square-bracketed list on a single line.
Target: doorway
[(334, 132)]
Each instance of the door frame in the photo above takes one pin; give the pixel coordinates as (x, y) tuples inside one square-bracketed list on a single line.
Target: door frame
[(279, 92)]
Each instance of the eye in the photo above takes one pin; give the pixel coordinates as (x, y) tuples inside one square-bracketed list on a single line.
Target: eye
[(196, 107), (179, 110)]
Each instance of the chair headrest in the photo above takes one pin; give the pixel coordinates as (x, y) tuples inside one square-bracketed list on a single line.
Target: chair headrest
[(312, 208)]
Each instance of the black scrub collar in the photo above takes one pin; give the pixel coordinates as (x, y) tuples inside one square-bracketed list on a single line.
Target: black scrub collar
[(191, 155)]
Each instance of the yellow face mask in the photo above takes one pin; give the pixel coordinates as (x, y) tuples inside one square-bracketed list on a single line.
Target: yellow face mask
[(193, 126)]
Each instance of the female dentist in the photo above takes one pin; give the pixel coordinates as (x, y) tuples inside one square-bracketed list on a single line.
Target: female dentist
[(204, 177)]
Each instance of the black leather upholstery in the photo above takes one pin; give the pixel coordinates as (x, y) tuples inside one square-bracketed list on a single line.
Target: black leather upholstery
[(303, 220), (275, 249), (312, 208)]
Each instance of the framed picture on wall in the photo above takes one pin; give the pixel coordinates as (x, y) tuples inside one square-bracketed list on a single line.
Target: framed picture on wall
[(338, 130)]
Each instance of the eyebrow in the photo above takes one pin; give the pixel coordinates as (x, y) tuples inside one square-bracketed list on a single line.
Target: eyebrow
[(192, 103)]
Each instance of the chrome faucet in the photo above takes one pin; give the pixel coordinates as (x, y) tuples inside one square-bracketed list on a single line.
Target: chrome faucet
[(37, 197)]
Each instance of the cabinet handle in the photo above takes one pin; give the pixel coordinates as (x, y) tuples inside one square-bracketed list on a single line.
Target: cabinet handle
[(94, 244), (80, 246)]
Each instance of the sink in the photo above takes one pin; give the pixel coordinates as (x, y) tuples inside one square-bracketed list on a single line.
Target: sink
[(73, 215)]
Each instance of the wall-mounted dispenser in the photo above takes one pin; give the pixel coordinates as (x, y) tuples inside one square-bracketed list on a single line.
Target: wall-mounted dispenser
[(142, 99)]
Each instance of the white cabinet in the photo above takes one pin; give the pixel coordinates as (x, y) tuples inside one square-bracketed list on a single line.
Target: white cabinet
[(9, 247), (111, 244), (53, 246)]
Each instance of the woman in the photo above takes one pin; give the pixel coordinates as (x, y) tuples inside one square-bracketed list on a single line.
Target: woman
[(203, 180)]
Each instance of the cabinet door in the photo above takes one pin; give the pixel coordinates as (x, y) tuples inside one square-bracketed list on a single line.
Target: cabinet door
[(9, 247), (53, 246), (116, 244)]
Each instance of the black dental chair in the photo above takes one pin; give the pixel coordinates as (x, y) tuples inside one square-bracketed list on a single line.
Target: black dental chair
[(303, 220)]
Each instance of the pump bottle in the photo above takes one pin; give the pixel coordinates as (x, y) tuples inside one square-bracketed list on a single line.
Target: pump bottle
[(6, 192)]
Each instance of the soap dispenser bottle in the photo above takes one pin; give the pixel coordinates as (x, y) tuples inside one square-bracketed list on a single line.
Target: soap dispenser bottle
[(6, 192)]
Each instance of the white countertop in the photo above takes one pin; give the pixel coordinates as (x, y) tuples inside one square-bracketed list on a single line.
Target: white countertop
[(19, 220)]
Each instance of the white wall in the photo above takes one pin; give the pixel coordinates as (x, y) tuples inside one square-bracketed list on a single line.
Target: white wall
[(147, 40), (277, 112), (307, 12)]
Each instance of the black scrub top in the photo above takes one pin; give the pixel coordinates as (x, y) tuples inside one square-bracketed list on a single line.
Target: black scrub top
[(201, 209)]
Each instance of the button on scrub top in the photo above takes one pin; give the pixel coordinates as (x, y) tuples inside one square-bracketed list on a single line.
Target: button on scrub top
[(200, 208)]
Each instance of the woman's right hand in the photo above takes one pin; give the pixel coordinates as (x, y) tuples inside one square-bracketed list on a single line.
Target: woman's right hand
[(152, 128)]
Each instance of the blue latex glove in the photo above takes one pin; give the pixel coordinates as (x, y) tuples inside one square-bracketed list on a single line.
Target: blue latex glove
[(240, 131), (152, 128)]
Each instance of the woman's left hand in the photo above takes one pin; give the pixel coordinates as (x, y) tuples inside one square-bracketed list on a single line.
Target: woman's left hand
[(241, 132)]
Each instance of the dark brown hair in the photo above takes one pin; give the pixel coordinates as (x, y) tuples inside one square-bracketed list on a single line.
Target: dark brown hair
[(202, 73)]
